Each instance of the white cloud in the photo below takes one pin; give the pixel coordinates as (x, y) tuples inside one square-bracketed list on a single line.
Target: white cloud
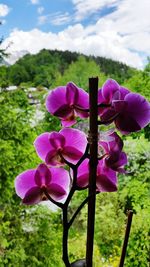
[(74, 38), (54, 19), (40, 10), (34, 2), (60, 19), (42, 19), (85, 8), (4, 10), (132, 25), (123, 35)]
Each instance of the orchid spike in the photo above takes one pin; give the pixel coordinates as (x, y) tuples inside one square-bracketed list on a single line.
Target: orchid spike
[(129, 111), (68, 102), (56, 147), (31, 184)]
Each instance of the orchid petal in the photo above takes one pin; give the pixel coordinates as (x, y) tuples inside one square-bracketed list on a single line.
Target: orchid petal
[(138, 108), (106, 136), (106, 183), (24, 182), (121, 162), (119, 105), (56, 140), (106, 178), (136, 115), (115, 145), (71, 154), (75, 139), (126, 124), (42, 145), (109, 88), (56, 191), (64, 111), (83, 103), (101, 100), (56, 99), (81, 113), (33, 196), (83, 99), (108, 115), (68, 122), (42, 175), (123, 92), (116, 161), (83, 174), (60, 177), (71, 93)]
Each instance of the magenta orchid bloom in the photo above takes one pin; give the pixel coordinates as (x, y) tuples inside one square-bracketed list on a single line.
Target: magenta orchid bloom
[(129, 111), (115, 158), (56, 147), (68, 102), (106, 180), (31, 184)]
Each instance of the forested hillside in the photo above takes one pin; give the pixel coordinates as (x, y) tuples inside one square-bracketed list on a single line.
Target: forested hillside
[(43, 68), (32, 236)]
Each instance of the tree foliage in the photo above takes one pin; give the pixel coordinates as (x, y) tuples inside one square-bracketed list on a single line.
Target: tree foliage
[(44, 67)]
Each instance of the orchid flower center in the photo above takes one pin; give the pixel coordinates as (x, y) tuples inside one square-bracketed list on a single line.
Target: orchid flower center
[(43, 197), (59, 155), (71, 116), (43, 189)]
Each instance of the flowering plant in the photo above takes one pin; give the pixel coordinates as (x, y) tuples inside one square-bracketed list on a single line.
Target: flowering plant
[(93, 161)]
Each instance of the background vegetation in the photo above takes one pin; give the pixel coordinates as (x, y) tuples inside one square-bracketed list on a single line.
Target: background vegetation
[(31, 236)]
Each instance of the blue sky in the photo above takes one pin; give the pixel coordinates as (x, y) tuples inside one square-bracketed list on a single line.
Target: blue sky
[(46, 15), (25, 15), (110, 28)]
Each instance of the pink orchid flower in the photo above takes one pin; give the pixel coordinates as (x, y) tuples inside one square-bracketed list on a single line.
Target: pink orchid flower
[(68, 102), (129, 111), (106, 180), (56, 147), (114, 158), (31, 184)]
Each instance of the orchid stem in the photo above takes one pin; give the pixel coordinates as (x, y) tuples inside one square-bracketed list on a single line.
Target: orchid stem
[(58, 204), (65, 237), (66, 224), (77, 211), (126, 238), (85, 201), (93, 136)]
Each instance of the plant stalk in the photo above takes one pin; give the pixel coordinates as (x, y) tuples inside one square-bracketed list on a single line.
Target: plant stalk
[(126, 238), (93, 140), (65, 238)]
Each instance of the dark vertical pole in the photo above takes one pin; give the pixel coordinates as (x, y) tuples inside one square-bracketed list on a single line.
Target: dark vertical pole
[(127, 233), (93, 140), (65, 238)]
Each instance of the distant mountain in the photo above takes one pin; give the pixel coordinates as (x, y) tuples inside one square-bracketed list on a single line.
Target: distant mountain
[(44, 67), (69, 57)]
